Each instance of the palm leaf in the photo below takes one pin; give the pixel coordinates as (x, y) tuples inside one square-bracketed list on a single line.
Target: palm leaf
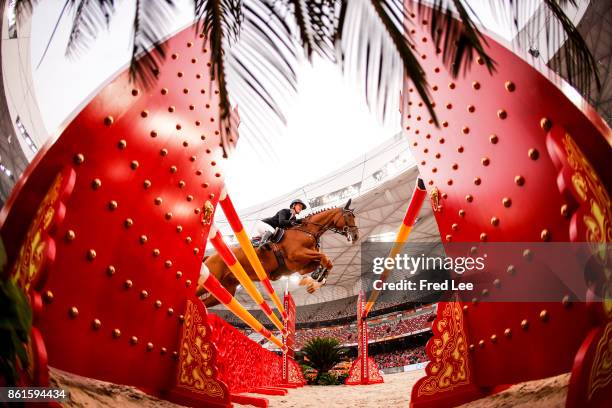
[(301, 20), (455, 34), (373, 47), (151, 19), (89, 17), (219, 21), (261, 72), (253, 47), (559, 31)]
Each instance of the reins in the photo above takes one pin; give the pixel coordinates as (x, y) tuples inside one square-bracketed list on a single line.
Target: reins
[(327, 227)]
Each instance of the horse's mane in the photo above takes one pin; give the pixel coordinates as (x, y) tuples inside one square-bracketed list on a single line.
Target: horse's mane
[(319, 211)]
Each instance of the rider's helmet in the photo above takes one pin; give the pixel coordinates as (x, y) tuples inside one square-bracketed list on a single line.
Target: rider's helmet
[(298, 201)]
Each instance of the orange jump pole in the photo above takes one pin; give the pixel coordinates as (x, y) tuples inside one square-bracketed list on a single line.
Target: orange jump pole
[(215, 238), (212, 285), (247, 247), (416, 202)]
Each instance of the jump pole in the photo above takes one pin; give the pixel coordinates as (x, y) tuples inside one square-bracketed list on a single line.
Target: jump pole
[(212, 285), (215, 238), (360, 372), (416, 202), (247, 247)]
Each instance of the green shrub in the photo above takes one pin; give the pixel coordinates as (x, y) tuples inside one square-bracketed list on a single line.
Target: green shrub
[(342, 377), (328, 379), (322, 353), (15, 326)]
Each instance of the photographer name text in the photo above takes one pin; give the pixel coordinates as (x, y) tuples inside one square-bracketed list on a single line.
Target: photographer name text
[(422, 284)]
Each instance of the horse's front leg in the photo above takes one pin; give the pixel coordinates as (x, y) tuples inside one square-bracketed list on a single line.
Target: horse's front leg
[(309, 268), (317, 259)]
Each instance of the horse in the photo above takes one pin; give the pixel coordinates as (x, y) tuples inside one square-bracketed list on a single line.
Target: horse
[(297, 251)]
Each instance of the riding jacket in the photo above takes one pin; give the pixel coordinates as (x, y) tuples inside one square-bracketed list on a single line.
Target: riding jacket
[(282, 219)]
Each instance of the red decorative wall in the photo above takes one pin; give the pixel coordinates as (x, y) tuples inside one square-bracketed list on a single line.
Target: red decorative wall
[(129, 250), (242, 363), (494, 171), (518, 158)]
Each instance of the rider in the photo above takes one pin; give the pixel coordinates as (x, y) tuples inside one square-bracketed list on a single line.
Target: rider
[(285, 218)]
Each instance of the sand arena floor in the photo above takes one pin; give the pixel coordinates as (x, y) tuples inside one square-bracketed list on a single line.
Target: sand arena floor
[(394, 392)]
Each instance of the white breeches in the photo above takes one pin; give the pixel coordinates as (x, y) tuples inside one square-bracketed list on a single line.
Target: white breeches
[(260, 228)]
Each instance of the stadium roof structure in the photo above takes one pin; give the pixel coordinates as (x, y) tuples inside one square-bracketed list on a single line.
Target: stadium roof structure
[(380, 185)]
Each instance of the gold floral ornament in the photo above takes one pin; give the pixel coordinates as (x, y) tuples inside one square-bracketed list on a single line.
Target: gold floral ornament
[(195, 371), (601, 370), (597, 210), (207, 213), (30, 261), (434, 196), (592, 192), (449, 366)]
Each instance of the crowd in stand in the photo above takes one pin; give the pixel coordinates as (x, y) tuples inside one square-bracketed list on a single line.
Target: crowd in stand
[(401, 358), (320, 312), (327, 311), (347, 307), (393, 326)]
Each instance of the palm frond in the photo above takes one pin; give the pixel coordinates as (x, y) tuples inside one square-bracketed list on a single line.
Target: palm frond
[(89, 17), (151, 18), (316, 22), (219, 21), (323, 18), (253, 46), (302, 22), (462, 39), (373, 47), (455, 34), (368, 40), (573, 54), (261, 71)]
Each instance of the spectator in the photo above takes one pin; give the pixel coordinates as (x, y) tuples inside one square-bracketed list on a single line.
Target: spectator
[(400, 358)]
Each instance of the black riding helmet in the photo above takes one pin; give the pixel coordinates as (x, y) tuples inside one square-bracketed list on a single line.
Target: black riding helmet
[(298, 201)]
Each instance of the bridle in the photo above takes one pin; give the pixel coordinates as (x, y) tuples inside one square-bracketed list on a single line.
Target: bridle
[(347, 231)]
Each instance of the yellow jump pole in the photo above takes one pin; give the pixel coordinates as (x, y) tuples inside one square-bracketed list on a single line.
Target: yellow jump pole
[(416, 202), (247, 247), (212, 285), (214, 236)]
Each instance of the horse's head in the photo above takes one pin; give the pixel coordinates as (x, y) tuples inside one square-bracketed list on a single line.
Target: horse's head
[(347, 224)]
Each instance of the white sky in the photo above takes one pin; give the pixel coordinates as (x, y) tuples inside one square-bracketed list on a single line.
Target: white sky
[(328, 125)]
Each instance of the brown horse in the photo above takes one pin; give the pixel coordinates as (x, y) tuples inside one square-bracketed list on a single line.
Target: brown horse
[(298, 251)]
